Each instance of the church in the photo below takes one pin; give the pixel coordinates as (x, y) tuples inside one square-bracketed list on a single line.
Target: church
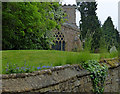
[(67, 38)]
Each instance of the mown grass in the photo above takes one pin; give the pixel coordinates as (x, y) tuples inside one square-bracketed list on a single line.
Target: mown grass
[(47, 57), (44, 57)]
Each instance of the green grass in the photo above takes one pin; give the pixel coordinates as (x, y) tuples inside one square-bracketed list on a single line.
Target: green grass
[(48, 57), (109, 55), (44, 57)]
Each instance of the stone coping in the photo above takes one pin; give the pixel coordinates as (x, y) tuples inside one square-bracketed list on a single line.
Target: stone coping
[(111, 63)]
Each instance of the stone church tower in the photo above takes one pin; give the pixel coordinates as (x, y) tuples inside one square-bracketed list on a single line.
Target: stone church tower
[(67, 39), (70, 10)]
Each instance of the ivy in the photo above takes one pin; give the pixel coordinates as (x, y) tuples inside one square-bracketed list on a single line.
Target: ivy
[(99, 73)]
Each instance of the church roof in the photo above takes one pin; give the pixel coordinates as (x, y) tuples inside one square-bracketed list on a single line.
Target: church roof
[(72, 26)]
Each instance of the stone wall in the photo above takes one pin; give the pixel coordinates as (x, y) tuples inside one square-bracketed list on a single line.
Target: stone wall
[(68, 78)]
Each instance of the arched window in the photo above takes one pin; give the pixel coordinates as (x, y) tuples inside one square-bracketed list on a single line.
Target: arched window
[(59, 41)]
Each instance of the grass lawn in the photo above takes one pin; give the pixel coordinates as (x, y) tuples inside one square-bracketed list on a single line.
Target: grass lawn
[(44, 57), (47, 57)]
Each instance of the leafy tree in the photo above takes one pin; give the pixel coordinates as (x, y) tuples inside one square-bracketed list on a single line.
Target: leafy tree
[(25, 24), (89, 22)]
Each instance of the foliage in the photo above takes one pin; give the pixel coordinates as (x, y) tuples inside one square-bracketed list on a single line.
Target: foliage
[(88, 41), (109, 55), (103, 45), (90, 27), (110, 34), (119, 51), (95, 44), (14, 68), (89, 23), (26, 24), (113, 54), (99, 73)]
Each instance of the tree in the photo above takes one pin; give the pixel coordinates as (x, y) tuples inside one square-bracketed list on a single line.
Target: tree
[(103, 45), (89, 22), (25, 24), (110, 34)]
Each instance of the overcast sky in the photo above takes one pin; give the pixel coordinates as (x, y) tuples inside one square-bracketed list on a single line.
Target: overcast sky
[(105, 8)]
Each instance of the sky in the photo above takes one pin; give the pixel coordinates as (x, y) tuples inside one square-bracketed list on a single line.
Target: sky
[(105, 8)]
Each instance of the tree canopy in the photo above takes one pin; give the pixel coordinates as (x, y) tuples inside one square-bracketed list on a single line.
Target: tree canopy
[(89, 23), (110, 34), (25, 24), (94, 35)]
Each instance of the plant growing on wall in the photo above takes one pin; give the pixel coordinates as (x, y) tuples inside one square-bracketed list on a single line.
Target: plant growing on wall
[(99, 73)]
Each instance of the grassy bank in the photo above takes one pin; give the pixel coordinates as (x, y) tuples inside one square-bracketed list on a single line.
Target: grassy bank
[(44, 57), (38, 58)]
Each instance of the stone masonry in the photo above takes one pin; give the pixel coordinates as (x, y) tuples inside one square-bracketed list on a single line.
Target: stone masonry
[(68, 78)]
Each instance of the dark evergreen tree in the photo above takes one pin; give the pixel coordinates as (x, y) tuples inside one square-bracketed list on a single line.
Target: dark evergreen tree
[(89, 23), (117, 37), (110, 34)]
